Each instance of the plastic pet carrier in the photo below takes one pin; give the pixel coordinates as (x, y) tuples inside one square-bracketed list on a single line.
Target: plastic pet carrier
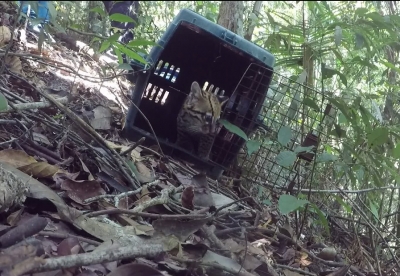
[(195, 49)]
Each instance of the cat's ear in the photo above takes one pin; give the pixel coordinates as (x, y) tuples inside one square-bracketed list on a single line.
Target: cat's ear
[(196, 90), (222, 99)]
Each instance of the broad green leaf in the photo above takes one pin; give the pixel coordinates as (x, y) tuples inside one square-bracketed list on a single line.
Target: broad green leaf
[(3, 102), (286, 158), (119, 17), (326, 157), (361, 11), (234, 129), (98, 10), (267, 202), (284, 135), (378, 136), (288, 204), (104, 46), (311, 103), (252, 146), (396, 151), (113, 38), (131, 54)]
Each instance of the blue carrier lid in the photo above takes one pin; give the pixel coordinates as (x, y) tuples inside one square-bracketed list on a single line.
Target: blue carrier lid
[(203, 23)]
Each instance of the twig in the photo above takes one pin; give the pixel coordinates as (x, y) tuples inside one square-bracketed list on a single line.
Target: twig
[(65, 236), (229, 269), (122, 195), (33, 105), (85, 127), (99, 256), (133, 146), (118, 211)]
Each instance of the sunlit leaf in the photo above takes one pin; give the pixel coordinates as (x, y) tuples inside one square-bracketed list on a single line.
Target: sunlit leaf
[(286, 158), (284, 135), (288, 204), (378, 136), (252, 146), (119, 17), (234, 129)]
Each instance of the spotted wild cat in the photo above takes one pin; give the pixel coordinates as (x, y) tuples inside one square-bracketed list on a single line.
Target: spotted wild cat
[(197, 120)]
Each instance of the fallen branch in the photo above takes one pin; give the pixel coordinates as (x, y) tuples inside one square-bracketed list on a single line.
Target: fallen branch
[(33, 105), (98, 257)]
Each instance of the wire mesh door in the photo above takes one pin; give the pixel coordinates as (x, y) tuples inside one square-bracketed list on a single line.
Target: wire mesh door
[(285, 135)]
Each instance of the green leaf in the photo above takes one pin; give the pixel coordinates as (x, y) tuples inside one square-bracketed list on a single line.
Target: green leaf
[(141, 42), (124, 66), (252, 146), (286, 158), (346, 206), (326, 157), (98, 10), (267, 202), (338, 35), (374, 210), (104, 46), (131, 54), (396, 151), (288, 203), (3, 102), (234, 129), (119, 17), (311, 103), (284, 135), (113, 38), (378, 136), (321, 216)]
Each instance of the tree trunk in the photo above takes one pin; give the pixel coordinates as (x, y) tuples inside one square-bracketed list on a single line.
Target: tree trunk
[(231, 16), (253, 20)]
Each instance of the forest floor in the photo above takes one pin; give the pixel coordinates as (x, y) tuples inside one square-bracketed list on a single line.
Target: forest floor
[(70, 206)]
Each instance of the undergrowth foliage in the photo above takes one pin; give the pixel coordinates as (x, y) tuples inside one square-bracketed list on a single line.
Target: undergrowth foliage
[(348, 52)]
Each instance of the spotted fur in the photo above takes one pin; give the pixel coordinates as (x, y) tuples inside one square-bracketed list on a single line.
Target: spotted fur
[(197, 120)]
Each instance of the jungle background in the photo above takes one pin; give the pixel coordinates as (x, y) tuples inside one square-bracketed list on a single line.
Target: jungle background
[(347, 51)]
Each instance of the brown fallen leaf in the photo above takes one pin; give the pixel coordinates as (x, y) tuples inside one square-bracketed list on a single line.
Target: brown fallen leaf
[(16, 158), (40, 169), (79, 191), (14, 64), (179, 228), (5, 35), (135, 270)]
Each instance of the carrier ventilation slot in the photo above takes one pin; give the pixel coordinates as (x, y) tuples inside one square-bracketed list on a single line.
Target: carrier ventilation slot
[(215, 90), (155, 94), (167, 71)]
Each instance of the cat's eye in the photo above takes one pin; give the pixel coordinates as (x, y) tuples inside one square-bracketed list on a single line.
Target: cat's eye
[(208, 117)]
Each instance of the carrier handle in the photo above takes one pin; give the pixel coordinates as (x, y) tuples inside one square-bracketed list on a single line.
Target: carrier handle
[(229, 37)]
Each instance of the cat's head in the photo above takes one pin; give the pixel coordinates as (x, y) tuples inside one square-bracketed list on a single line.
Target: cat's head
[(206, 109)]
